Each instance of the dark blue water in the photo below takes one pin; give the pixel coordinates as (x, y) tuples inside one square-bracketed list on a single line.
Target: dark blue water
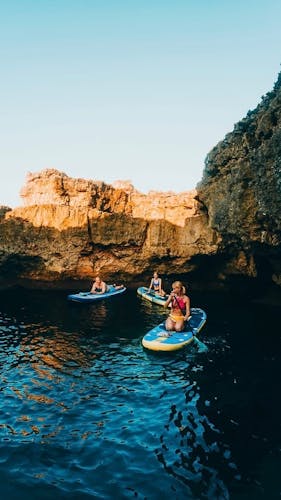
[(86, 412)]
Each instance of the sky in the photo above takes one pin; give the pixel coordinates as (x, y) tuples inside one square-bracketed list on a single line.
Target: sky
[(137, 90)]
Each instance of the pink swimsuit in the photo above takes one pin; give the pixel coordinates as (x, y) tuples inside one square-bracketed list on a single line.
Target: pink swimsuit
[(179, 303)]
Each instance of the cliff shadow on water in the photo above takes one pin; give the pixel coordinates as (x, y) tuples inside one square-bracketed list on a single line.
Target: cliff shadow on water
[(80, 389)]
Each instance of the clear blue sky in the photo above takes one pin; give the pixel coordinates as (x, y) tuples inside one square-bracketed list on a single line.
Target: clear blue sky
[(128, 89)]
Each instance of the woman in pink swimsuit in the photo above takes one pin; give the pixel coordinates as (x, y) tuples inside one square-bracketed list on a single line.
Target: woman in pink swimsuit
[(180, 308)]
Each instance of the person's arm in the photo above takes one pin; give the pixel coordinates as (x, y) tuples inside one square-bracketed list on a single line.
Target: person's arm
[(187, 309), (168, 300), (150, 286), (160, 285)]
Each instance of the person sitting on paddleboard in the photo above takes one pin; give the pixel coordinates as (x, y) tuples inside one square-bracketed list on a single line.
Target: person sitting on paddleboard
[(180, 308), (156, 285), (99, 286)]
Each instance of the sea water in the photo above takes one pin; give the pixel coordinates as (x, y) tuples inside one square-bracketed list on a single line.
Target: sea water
[(87, 412)]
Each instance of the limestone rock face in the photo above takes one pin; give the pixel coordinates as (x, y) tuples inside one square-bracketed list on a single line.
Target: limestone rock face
[(229, 227), (75, 228), (241, 190), (55, 188)]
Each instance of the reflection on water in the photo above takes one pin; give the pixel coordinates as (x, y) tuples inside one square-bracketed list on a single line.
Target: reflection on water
[(86, 412)]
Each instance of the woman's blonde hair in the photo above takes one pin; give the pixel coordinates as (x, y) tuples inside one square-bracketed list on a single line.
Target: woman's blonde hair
[(180, 285)]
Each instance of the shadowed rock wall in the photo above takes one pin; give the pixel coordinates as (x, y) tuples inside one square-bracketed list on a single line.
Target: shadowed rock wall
[(241, 191)]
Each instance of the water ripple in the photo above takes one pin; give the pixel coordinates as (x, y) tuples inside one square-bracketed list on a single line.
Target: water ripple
[(88, 413)]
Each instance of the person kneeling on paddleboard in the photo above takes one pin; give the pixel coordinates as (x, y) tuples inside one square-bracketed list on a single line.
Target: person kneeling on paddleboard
[(180, 308)]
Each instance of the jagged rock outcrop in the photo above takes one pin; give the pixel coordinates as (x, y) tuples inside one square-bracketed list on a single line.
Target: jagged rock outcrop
[(75, 228), (241, 191), (229, 227)]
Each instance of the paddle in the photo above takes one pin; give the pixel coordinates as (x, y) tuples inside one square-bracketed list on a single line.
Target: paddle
[(201, 346), (187, 324), (182, 310)]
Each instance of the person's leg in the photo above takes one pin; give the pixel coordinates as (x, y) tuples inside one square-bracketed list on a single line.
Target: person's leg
[(179, 326), (170, 324)]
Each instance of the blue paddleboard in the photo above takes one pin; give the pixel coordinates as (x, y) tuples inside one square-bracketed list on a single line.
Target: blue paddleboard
[(151, 296), (159, 339), (93, 297)]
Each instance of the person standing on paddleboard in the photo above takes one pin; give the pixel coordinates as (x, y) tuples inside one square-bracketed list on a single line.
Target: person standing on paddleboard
[(180, 308)]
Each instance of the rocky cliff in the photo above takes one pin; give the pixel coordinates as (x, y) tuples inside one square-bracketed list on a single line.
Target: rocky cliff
[(230, 227), (241, 191), (74, 228)]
